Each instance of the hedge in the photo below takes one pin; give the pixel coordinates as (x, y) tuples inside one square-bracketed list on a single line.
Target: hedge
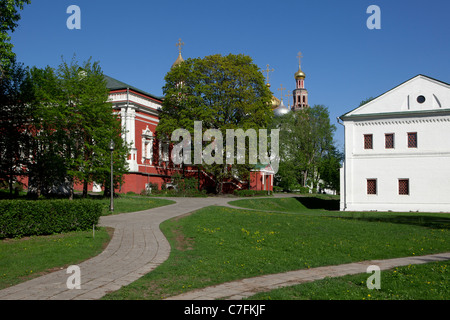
[(20, 218), (251, 193)]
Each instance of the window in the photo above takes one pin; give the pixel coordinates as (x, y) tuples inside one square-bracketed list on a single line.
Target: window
[(403, 186), (412, 139), (368, 143), (420, 99), (371, 186), (389, 141)]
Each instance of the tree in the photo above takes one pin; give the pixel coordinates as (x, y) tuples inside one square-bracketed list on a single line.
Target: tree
[(306, 137), (75, 125), (224, 92), (329, 167), (9, 16), (16, 97)]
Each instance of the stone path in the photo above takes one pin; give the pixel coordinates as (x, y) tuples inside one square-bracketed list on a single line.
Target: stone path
[(138, 246), (245, 288)]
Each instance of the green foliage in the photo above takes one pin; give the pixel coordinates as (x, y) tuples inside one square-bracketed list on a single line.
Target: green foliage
[(75, 124), (250, 193), (9, 16), (224, 92), (183, 187), (329, 167), (306, 139), (20, 218), (16, 98), (366, 101)]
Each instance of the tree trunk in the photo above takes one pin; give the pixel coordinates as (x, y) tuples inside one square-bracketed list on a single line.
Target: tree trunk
[(71, 190), (85, 189)]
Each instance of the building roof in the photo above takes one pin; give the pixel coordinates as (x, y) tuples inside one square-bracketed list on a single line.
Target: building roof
[(114, 84), (358, 112)]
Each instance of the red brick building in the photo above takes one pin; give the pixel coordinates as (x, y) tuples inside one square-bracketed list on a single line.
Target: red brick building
[(149, 159)]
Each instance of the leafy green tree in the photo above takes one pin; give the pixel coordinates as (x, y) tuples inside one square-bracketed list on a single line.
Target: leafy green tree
[(224, 92), (9, 16), (16, 98), (76, 124), (306, 137), (329, 167)]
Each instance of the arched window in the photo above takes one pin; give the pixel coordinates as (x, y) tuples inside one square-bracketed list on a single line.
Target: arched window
[(147, 146)]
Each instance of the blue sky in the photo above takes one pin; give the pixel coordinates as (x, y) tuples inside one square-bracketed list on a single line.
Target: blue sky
[(344, 61)]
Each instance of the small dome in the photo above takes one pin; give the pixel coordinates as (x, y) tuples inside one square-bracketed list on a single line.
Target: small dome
[(300, 74), (275, 102), (178, 61), (281, 110)]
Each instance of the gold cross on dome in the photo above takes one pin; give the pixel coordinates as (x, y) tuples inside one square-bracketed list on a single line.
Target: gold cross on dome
[(179, 44), (299, 56), (267, 73), (281, 89)]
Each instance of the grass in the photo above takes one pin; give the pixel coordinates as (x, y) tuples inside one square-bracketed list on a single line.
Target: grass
[(26, 258), (219, 244), (413, 282), (124, 204), (23, 259)]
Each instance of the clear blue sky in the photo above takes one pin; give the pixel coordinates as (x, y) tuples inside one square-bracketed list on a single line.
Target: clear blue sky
[(344, 61)]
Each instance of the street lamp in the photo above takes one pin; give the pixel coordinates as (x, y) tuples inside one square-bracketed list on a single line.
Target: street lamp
[(111, 147)]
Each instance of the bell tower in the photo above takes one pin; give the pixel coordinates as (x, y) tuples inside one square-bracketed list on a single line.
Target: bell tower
[(300, 94)]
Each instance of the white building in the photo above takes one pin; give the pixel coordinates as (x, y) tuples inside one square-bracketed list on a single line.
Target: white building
[(397, 150)]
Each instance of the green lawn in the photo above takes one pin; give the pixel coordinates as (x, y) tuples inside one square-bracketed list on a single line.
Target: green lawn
[(24, 259), (124, 204), (219, 244), (414, 282)]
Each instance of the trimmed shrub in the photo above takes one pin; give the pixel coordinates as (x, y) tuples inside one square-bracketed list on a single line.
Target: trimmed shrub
[(20, 218), (251, 193)]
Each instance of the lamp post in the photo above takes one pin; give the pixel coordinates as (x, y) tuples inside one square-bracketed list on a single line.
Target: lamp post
[(111, 147)]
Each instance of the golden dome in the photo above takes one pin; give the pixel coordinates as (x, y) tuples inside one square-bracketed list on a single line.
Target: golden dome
[(299, 74), (178, 61), (275, 102)]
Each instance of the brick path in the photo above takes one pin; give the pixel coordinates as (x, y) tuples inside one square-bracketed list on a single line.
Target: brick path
[(138, 246), (244, 288)]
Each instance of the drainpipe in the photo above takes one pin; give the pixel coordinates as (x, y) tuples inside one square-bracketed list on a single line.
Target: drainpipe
[(345, 168)]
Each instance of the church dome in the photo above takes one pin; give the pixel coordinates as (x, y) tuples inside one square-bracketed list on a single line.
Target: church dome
[(275, 102), (178, 61), (281, 110), (300, 74)]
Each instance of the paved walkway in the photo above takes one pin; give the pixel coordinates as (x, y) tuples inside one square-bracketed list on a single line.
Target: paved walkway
[(138, 246), (245, 288)]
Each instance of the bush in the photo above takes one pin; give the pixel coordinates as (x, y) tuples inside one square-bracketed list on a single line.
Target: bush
[(20, 218), (250, 193), (277, 189)]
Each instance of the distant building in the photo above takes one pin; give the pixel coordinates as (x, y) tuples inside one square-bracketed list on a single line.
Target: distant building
[(149, 160), (397, 150), (299, 94)]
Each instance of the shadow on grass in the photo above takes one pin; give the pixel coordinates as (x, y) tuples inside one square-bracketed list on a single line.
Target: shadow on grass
[(317, 203), (433, 222)]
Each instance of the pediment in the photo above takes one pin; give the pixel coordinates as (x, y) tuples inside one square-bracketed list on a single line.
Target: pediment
[(420, 93)]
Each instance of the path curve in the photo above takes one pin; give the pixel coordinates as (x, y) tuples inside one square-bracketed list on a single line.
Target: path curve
[(138, 246)]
